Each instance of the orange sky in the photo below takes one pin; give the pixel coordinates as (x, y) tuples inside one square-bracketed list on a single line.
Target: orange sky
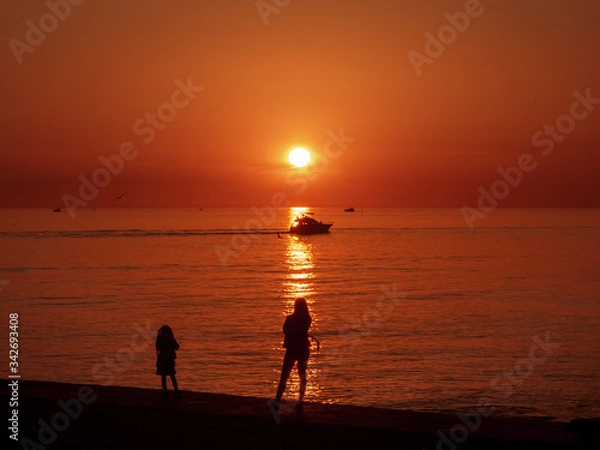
[(293, 78)]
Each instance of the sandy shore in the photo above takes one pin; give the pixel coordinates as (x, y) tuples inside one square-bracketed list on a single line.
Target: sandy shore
[(69, 416)]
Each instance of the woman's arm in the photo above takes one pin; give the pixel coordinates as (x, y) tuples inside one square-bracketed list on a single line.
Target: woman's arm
[(286, 325)]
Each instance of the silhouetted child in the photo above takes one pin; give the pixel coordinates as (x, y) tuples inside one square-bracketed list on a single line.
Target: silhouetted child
[(166, 345), (297, 348)]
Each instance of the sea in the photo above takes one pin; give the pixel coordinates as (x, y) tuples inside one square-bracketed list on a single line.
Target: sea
[(411, 308)]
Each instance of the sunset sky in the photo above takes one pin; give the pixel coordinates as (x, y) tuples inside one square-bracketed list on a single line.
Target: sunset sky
[(299, 74)]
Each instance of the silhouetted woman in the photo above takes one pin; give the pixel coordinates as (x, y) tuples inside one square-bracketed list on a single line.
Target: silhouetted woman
[(166, 345), (296, 346)]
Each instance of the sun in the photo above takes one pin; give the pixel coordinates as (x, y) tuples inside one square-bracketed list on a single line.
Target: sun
[(299, 157)]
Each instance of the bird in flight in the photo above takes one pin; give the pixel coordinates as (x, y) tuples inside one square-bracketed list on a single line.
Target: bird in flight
[(120, 196)]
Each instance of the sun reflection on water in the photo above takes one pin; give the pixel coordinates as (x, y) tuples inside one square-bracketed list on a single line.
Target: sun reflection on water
[(300, 282)]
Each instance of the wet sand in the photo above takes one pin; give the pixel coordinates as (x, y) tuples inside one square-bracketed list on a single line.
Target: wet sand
[(69, 416)]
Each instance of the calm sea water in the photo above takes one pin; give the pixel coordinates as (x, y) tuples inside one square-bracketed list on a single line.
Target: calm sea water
[(412, 309)]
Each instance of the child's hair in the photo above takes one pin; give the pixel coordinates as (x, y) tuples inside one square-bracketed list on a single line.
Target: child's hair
[(165, 331)]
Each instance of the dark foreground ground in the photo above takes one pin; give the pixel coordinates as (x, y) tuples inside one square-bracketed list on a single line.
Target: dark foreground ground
[(56, 416)]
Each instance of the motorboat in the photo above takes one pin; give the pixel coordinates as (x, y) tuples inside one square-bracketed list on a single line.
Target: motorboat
[(307, 225), (351, 209)]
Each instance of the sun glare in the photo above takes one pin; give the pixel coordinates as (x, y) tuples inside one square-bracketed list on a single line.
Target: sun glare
[(299, 157)]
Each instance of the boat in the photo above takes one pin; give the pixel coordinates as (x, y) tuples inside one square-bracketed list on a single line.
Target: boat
[(56, 210), (349, 209), (307, 225)]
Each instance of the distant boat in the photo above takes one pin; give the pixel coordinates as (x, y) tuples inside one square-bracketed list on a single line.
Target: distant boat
[(56, 210), (349, 209), (120, 196), (307, 225)]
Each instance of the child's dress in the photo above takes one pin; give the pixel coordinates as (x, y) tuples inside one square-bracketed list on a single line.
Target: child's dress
[(165, 361)]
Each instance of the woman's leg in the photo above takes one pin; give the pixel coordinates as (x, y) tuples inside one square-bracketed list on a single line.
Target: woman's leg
[(302, 364), (286, 369)]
